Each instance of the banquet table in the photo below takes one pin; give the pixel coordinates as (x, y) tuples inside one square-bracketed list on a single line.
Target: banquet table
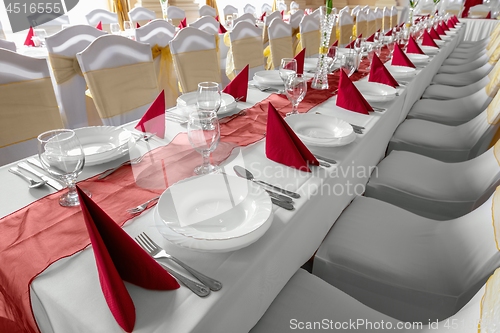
[(477, 29), (67, 297)]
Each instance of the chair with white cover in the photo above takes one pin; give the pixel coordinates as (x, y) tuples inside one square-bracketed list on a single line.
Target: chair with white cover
[(394, 16), (206, 23), (247, 17), (101, 15), (207, 10), (409, 267), (371, 22), (266, 8), (229, 10), (386, 23), (249, 9), (474, 49), (158, 34), (54, 25), (176, 15), (246, 49), (267, 20), (70, 84), (307, 302), (449, 143), (294, 6), (345, 28), (309, 36), (362, 24), (141, 15), (489, 59), (355, 10), (479, 11), (28, 105), (280, 43), (187, 48), (121, 77), (379, 18), (295, 20), (8, 45), (433, 188), (316, 14)]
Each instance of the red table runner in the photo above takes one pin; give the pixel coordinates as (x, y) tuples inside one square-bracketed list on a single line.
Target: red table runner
[(34, 237)]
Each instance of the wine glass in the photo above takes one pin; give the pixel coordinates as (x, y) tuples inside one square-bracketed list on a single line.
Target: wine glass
[(61, 154), (208, 96), (288, 66), (390, 45), (333, 53), (348, 63), (115, 28), (128, 28), (371, 50), (229, 21), (204, 134), (41, 34), (295, 90), (359, 45)]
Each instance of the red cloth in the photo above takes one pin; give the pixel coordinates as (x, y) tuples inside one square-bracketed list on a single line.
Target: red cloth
[(99, 26), (440, 30), (283, 145), (222, 30), (444, 26), (488, 16), (428, 41), (468, 4), (29, 41), (183, 24), (300, 58), (399, 58), (332, 49), (153, 121), (349, 96), (380, 74), (262, 16), (238, 87), (118, 257), (434, 34), (137, 25), (371, 38), (450, 23), (413, 47), (389, 33)]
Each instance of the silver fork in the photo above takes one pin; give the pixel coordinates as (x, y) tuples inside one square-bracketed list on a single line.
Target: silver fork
[(157, 252), (133, 161), (142, 207)]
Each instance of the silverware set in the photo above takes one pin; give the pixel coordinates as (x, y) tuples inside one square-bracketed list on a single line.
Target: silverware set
[(201, 288), (31, 166)]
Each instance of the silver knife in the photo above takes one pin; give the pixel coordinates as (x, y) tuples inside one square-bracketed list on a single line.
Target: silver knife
[(35, 162), (279, 196), (326, 159), (282, 204), (50, 181)]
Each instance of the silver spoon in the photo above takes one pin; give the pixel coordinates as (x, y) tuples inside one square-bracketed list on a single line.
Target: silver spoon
[(244, 173), (32, 183)]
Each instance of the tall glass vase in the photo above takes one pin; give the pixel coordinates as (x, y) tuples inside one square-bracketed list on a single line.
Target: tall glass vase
[(327, 19), (164, 5)]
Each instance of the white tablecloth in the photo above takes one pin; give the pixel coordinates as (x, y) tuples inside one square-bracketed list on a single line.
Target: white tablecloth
[(477, 29), (67, 296)]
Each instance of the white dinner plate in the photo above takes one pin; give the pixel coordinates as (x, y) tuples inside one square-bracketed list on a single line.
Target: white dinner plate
[(400, 72), (375, 92), (429, 49), (450, 32), (214, 207), (271, 77), (321, 130), (445, 37), (439, 42), (418, 58), (228, 103), (103, 144)]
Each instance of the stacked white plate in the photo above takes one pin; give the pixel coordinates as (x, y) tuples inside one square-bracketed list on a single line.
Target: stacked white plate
[(401, 72), (439, 42), (375, 92), (214, 213), (270, 78), (429, 49), (103, 144), (450, 32), (418, 58), (320, 130), (228, 103)]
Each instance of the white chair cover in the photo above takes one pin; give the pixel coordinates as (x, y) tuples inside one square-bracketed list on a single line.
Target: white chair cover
[(442, 91), (141, 15), (266, 8), (54, 25), (176, 14), (206, 23), (280, 42), (249, 9), (247, 17), (433, 188), (243, 36), (229, 10), (309, 36), (101, 15), (406, 266), (462, 79), (8, 45), (479, 11), (206, 10)]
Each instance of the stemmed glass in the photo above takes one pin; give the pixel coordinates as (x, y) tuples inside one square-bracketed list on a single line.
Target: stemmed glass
[(348, 63), (359, 46), (204, 135), (115, 28), (333, 53), (208, 96), (128, 27), (390, 40), (288, 66), (295, 90), (41, 34), (61, 154)]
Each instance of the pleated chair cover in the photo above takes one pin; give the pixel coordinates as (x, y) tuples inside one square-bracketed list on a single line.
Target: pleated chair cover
[(121, 78), (295, 20), (449, 143), (141, 15), (361, 24), (345, 28), (28, 105), (309, 36), (386, 19), (371, 23), (245, 49), (394, 16), (267, 20), (105, 17), (280, 43), (406, 266), (432, 188), (8, 45), (176, 15)]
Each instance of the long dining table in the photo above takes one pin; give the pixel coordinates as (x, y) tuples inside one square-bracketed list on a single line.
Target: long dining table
[(67, 297)]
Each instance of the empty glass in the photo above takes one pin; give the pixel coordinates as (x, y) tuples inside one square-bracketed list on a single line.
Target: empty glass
[(115, 28), (288, 66), (41, 34), (295, 90), (62, 156), (204, 135), (208, 96), (348, 63), (229, 21), (128, 27)]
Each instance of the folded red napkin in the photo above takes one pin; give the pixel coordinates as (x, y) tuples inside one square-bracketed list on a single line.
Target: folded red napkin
[(434, 34), (427, 40), (222, 30), (183, 24), (444, 26), (262, 16), (351, 44), (413, 47), (349, 97), (488, 16), (440, 30), (332, 49), (380, 74), (399, 58), (455, 19), (137, 25), (371, 38), (119, 258), (99, 26), (389, 33), (401, 25), (238, 87), (153, 121), (217, 18), (450, 23), (29, 41), (283, 145), (300, 58)]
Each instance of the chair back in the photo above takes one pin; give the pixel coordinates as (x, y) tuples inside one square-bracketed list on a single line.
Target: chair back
[(295, 19), (121, 77), (206, 23), (247, 17), (246, 49), (345, 28), (176, 15), (248, 8), (207, 10), (309, 36), (394, 16), (379, 17), (8, 45), (386, 23), (187, 48), (267, 20), (266, 8), (361, 24), (101, 15), (280, 42), (141, 15), (229, 10), (28, 105), (54, 25), (355, 11), (371, 23), (69, 82), (479, 11)]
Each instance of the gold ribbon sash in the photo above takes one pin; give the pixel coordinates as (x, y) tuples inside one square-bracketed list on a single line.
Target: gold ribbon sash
[(345, 34), (167, 80), (492, 87), (296, 39), (122, 89), (27, 108), (310, 41), (246, 51), (195, 67), (279, 48), (490, 304), (64, 68)]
